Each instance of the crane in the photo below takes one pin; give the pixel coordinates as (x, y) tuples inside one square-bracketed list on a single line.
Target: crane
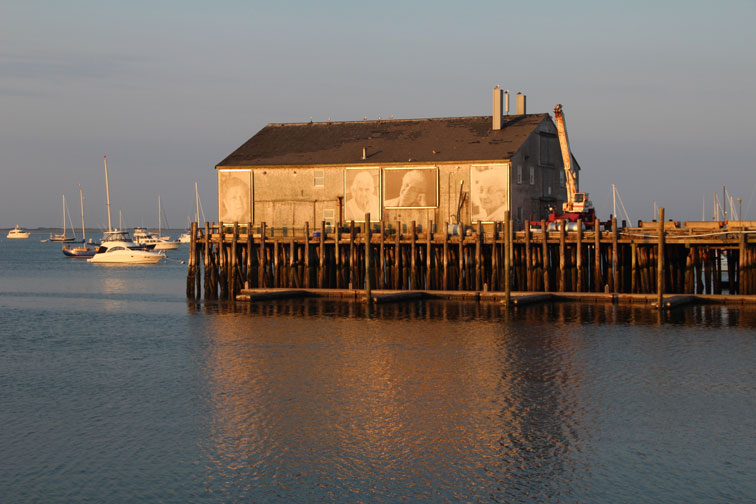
[(577, 206)]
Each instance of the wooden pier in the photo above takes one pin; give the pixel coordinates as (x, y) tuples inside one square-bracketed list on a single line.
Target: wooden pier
[(658, 259)]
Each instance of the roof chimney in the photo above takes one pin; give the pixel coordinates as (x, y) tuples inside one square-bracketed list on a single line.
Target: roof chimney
[(520, 104), (497, 115), (506, 102)]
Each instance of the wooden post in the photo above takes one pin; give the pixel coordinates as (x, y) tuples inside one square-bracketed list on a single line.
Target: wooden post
[(249, 279), (615, 257), (368, 259), (579, 256), (428, 257), (742, 251), (478, 257), (232, 265), (206, 261), (276, 271), (597, 257), (337, 253), (562, 258), (634, 268), (446, 255), (292, 276), (382, 250), (507, 250), (263, 259), (461, 260), (660, 261), (397, 257), (190, 292), (413, 252), (545, 258), (307, 255), (223, 260), (529, 284), (321, 258)]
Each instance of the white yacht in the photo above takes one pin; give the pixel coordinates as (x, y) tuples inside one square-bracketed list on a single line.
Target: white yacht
[(17, 233), (118, 248)]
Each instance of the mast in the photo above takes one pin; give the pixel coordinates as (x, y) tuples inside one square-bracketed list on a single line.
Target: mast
[(160, 229), (81, 197), (64, 216), (196, 200), (107, 193)]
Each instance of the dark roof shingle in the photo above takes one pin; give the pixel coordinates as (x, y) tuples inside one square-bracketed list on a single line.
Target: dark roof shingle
[(388, 141)]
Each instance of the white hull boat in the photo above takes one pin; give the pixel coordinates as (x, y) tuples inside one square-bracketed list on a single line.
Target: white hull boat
[(120, 254), (17, 233)]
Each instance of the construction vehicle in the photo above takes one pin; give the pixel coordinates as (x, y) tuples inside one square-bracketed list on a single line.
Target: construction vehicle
[(577, 206)]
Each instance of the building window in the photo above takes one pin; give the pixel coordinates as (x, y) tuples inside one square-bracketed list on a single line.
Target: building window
[(532, 175), (519, 214), (561, 179), (548, 190), (319, 178), (519, 174)]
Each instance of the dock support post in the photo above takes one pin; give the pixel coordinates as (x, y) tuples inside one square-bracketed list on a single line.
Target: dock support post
[(263, 259), (615, 257), (507, 250), (579, 256), (562, 259), (660, 261), (368, 260), (529, 284), (190, 292), (545, 256), (597, 257), (446, 255), (321, 258)]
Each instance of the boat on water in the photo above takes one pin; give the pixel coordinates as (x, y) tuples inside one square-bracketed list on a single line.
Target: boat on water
[(84, 250), (187, 236), (117, 247), (17, 233), (63, 237)]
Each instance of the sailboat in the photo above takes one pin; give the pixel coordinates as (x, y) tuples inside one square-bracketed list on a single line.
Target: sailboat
[(117, 246), (187, 237), (62, 237), (163, 242), (84, 250)]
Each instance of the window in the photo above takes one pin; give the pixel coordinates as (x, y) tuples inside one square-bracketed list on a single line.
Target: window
[(561, 179), (519, 174), (519, 214), (532, 175), (318, 178)]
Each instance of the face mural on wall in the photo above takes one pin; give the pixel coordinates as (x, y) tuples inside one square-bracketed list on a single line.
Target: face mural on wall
[(361, 189), (235, 196), (410, 187), (489, 197)]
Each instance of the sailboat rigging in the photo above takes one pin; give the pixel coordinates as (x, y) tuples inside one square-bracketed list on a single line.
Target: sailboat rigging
[(84, 250), (63, 237)]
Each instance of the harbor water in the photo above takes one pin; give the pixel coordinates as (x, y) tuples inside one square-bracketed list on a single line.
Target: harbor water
[(116, 389)]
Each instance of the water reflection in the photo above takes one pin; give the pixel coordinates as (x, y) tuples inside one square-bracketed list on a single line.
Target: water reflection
[(428, 401)]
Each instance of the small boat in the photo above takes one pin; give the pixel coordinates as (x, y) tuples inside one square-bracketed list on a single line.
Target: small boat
[(83, 251), (17, 233), (121, 254), (62, 237), (118, 248)]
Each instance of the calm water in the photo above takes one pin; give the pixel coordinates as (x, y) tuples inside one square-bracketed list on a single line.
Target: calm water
[(114, 389)]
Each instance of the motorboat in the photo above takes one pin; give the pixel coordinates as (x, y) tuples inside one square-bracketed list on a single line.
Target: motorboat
[(17, 233), (147, 240), (117, 247)]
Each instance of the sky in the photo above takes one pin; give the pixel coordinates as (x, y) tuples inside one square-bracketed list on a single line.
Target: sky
[(659, 97)]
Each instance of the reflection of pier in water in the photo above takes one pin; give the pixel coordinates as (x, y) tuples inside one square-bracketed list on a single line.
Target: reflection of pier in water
[(560, 312)]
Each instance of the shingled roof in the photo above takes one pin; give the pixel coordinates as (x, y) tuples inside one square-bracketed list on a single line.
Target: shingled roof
[(447, 139)]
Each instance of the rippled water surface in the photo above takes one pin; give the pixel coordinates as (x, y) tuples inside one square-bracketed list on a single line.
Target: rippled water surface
[(115, 389)]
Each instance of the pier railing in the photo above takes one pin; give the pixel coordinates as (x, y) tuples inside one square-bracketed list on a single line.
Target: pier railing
[(652, 258)]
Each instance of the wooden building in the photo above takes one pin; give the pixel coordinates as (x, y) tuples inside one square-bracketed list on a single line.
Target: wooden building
[(459, 170)]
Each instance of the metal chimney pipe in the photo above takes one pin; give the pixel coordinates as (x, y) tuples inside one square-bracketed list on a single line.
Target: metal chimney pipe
[(497, 114), (506, 102), (521, 104)]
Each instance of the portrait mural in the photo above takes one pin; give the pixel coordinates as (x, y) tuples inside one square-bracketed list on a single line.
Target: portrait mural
[(235, 196), (361, 189), (410, 187), (489, 194)]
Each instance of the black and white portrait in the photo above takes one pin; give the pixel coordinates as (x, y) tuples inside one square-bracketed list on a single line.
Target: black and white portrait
[(235, 196), (361, 190), (410, 187), (489, 196)]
